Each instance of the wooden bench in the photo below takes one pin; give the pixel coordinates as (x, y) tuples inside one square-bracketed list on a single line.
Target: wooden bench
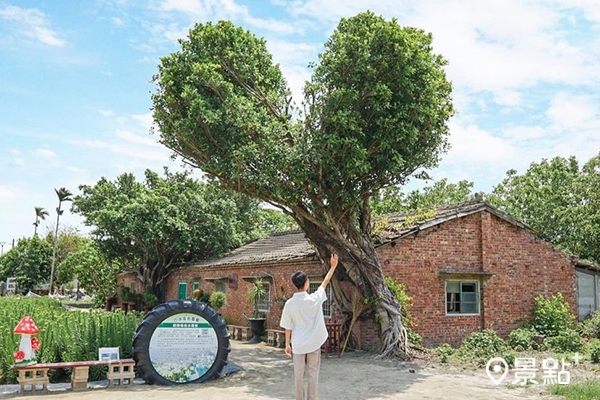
[(239, 332), (119, 372), (276, 337)]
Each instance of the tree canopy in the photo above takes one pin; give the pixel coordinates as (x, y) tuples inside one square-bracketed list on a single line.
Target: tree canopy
[(156, 225), (374, 112), (91, 269), (558, 199), (392, 199), (29, 262)]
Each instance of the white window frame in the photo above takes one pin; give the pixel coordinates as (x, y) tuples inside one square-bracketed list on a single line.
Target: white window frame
[(328, 304), (477, 297)]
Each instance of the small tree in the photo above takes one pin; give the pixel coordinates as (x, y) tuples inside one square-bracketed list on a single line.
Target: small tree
[(40, 214), (149, 298), (375, 113), (155, 225), (552, 316), (63, 195), (217, 300), (256, 296)]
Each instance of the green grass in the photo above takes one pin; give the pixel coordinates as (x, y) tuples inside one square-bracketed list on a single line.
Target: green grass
[(587, 390), (64, 335)]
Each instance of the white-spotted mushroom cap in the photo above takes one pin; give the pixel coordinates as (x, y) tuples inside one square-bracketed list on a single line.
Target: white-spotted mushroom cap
[(26, 327)]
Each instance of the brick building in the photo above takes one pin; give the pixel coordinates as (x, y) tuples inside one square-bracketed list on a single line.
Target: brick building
[(467, 267)]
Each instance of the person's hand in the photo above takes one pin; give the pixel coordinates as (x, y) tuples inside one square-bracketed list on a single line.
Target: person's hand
[(333, 261), (288, 350)]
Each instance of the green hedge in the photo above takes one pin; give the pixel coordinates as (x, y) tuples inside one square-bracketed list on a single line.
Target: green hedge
[(64, 335)]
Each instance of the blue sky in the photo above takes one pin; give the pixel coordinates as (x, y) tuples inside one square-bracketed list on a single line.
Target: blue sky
[(75, 83)]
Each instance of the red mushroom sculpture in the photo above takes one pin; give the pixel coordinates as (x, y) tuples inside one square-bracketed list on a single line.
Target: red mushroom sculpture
[(26, 328)]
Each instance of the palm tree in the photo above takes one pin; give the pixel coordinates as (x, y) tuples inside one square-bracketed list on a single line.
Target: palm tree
[(40, 214), (63, 195)]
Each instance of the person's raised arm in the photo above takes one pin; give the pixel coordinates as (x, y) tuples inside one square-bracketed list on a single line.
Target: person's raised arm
[(333, 261)]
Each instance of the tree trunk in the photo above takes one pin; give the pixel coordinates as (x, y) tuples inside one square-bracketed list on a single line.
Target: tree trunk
[(54, 249), (361, 270), (152, 273)]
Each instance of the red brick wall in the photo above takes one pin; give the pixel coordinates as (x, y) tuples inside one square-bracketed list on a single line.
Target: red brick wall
[(522, 265), (237, 303), (129, 280)]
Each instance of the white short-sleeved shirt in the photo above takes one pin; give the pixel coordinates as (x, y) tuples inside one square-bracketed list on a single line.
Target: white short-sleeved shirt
[(303, 315)]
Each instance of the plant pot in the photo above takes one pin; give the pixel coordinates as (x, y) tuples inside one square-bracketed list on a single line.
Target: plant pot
[(257, 326)]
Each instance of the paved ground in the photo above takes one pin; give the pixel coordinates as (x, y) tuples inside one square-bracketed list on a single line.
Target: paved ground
[(267, 374)]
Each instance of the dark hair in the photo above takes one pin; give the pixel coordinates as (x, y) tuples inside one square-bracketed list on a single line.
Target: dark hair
[(299, 279)]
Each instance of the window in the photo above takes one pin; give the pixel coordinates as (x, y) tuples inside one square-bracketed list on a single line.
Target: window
[(264, 306), (182, 291), (221, 286), (462, 297), (312, 287), (195, 286)]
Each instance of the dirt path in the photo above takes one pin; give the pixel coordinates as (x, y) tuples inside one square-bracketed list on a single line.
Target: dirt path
[(268, 374)]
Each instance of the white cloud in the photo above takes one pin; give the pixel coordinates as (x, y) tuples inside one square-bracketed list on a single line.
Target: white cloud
[(286, 52), (93, 144), (32, 23), (17, 162), (207, 10), (508, 97), (145, 120), (471, 144), (517, 134), (133, 138), (573, 112), (107, 113), (193, 7), (499, 47), (45, 153), (117, 21), (129, 144), (296, 76), (7, 193)]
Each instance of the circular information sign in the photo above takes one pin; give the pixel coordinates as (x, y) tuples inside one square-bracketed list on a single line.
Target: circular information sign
[(181, 342)]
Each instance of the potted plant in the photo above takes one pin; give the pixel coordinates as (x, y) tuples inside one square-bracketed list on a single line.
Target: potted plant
[(149, 299), (217, 300), (127, 298), (257, 295)]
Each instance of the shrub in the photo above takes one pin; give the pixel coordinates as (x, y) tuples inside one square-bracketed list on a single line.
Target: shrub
[(218, 299), (591, 326), (522, 339), (399, 292), (595, 352), (551, 316), (567, 341), (484, 345), (445, 351)]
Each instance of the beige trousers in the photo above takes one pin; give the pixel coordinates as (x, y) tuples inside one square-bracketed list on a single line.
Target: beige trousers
[(312, 363)]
